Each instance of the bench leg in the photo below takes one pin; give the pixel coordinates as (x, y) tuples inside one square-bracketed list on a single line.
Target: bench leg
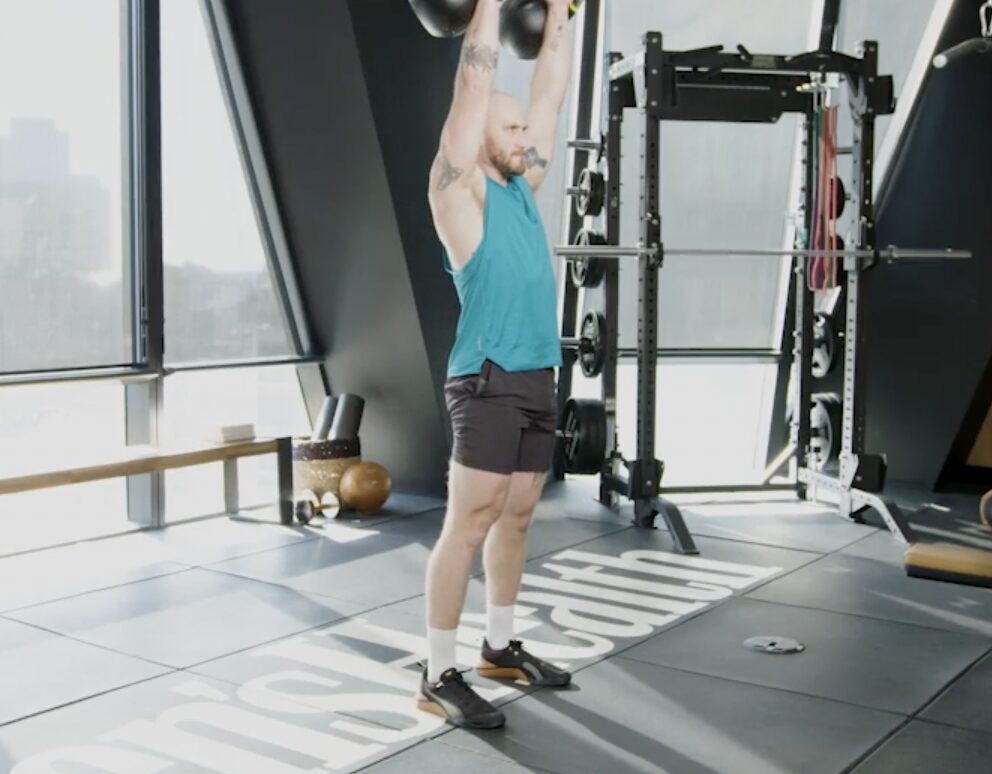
[(146, 499), (231, 485), (284, 462)]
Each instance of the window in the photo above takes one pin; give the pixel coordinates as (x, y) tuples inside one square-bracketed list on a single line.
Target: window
[(42, 424), (65, 284), (899, 27), (220, 301)]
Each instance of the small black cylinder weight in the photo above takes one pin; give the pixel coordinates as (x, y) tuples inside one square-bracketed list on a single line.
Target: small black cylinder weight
[(347, 419), (323, 424), (444, 18)]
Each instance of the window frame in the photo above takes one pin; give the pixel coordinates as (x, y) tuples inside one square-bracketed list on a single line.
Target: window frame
[(140, 31)]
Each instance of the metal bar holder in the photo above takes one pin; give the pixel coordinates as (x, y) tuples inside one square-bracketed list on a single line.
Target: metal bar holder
[(860, 474), (710, 84)]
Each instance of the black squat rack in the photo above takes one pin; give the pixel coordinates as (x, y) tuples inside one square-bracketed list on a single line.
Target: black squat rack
[(711, 84)]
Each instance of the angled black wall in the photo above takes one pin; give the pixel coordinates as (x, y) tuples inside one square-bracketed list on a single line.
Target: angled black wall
[(373, 312), (928, 326), (409, 77)]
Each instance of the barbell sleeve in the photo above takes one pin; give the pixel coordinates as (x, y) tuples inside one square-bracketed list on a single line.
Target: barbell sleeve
[(603, 251), (586, 145), (972, 46), (900, 254)]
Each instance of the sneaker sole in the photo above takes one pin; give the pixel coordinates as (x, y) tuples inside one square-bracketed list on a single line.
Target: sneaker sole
[(518, 675), (426, 705)]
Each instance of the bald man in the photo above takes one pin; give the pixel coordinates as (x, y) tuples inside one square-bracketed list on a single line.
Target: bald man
[(500, 388)]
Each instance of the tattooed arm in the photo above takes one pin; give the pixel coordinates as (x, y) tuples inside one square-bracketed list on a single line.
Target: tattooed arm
[(455, 206), (547, 90)]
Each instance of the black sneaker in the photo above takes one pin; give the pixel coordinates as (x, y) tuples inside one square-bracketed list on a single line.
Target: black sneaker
[(455, 701), (515, 663)]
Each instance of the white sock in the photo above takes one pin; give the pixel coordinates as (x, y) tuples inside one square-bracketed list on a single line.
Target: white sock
[(499, 626), (441, 647)]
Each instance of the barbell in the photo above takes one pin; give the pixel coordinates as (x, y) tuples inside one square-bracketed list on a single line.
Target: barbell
[(890, 253)]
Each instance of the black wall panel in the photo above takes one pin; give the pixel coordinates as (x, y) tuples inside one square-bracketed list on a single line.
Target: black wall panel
[(346, 169), (929, 327), (409, 77)]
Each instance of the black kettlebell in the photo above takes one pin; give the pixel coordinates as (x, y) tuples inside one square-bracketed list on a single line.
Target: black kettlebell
[(444, 18), (521, 25)]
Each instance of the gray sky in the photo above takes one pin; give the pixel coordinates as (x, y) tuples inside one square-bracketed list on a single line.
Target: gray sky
[(61, 59)]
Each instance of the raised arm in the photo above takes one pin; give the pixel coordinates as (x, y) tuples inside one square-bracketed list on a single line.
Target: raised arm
[(455, 204), (547, 91), (463, 130)]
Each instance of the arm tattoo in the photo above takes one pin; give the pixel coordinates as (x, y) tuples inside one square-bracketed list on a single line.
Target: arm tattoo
[(484, 58), (448, 172), (533, 159)]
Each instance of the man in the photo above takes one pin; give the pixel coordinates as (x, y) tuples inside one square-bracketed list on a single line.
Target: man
[(500, 390)]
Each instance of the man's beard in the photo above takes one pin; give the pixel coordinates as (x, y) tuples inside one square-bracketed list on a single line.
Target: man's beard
[(509, 165)]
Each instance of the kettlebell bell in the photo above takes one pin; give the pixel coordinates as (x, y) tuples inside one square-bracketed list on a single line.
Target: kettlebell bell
[(444, 18), (521, 25)]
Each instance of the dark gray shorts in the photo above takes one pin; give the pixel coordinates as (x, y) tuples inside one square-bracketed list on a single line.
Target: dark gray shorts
[(502, 421)]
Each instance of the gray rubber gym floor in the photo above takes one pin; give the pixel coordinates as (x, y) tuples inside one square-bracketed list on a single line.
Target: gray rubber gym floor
[(240, 647)]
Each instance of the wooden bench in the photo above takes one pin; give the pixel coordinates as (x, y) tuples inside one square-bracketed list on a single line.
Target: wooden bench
[(137, 460)]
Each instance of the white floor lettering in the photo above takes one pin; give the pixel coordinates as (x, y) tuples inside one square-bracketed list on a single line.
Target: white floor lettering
[(590, 606)]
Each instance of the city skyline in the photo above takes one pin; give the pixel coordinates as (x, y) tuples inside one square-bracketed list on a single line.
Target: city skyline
[(62, 270)]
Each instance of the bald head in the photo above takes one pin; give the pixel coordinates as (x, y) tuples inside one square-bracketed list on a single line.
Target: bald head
[(506, 135)]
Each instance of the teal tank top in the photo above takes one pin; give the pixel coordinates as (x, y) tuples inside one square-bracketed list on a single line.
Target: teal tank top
[(509, 303)]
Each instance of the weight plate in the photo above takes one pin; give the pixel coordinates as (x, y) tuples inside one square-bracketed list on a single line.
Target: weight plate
[(583, 427), (985, 509), (592, 344), (824, 346), (330, 505), (825, 419), (592, 187), (588, 272), (841, 196), (304, 511), (774, 644)]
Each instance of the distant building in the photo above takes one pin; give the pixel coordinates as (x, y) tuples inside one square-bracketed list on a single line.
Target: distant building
[(49, 220)]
